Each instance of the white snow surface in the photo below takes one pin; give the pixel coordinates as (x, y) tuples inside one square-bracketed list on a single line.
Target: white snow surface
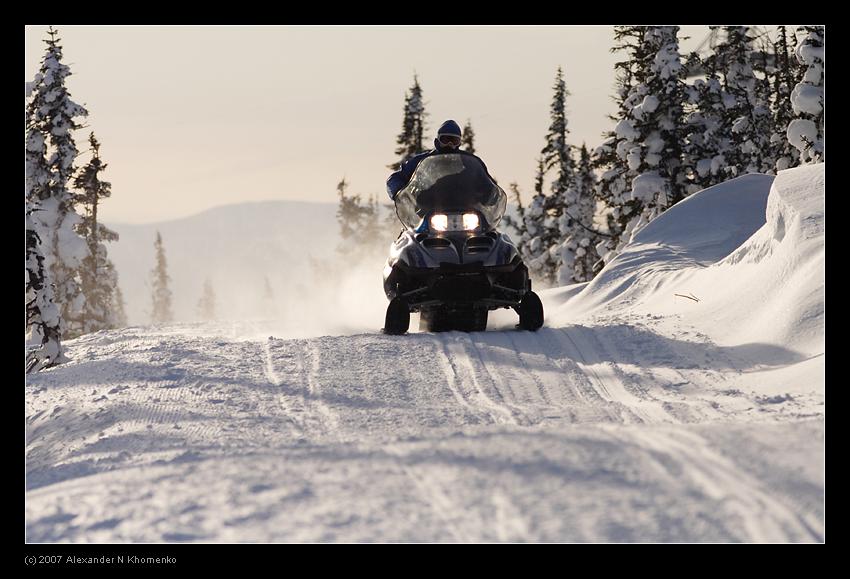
[(633, 415)]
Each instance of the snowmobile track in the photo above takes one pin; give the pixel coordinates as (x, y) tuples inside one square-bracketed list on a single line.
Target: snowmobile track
[(763, 517), (463, 380)]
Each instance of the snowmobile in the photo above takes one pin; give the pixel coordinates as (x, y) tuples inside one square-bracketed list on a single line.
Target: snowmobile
[(450, 264)]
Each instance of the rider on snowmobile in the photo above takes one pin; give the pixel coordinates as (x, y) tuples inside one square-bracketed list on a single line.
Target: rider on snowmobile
[(448, 141)]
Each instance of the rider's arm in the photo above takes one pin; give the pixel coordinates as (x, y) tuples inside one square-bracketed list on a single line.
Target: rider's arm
[(399, 180), (395, 183)]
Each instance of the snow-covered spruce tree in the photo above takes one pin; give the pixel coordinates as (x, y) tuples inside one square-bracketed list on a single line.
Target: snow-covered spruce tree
[(747, 110), (609, 157), (539, 234), (468, 139), (562, 200), (785, 75), (161, 296), (644, 175), (806, 132), (580, 261), (545, 221), (707, 134), (206, 305), (50, 154), (410, 140), (42, 313), (97, 273)]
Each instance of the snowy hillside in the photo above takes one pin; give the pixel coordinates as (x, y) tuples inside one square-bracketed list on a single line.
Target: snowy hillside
[(236, 246), (634, 415)]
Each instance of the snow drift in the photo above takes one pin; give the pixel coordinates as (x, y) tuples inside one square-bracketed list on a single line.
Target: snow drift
[(750, 250)]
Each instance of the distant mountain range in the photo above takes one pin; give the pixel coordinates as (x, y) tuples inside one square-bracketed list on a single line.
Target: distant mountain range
[(236, 246)]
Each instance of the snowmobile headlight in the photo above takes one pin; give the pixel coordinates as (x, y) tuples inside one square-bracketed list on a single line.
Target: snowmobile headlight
[(470, 221), (440, 222)]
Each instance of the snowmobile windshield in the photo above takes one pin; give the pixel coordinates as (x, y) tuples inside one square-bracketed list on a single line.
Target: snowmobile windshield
[(450, 183)]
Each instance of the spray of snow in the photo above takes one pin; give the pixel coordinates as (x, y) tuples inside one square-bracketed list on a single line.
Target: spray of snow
[(274, 267)]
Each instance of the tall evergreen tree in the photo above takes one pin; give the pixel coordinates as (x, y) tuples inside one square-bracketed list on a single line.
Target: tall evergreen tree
[(585, 183), (537, 245), (411, 139), (548, 220), (161, 296), (206, 305), (644, 175), (564, 200), (787, 73), (747, 110), (468, 138), (707, 134), (556, 152), (579, 259), (806, 132), (98, 277), (363, 234), (50, 154), (609, 158), (42, 314)]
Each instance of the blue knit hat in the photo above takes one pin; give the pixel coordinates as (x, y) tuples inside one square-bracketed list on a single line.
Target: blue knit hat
[(449, 128)]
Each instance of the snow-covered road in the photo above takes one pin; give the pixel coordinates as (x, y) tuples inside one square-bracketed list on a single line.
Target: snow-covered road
[(633, 416), (559, 435)]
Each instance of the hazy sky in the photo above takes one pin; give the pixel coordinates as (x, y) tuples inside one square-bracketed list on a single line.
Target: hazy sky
[(196, 117)]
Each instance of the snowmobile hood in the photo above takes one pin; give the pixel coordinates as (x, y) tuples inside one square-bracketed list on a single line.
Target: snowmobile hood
[(450, 183)]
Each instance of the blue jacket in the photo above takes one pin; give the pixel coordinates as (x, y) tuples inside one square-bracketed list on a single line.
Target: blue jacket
[(399, 180)]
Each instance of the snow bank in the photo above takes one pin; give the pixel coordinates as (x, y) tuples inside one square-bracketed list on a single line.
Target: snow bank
[(699, 231), (750, 250), (771, 289)]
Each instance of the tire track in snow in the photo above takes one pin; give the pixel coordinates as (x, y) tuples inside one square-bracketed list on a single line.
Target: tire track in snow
[(499, 385), (462, 380), (290, 410), (312, 363), (612, 387), (510, 523), (441, 355), (503, 519), (539, 383), (659, 410), (660, 375), (765, 518), (431, 491), (309, 413), (271, 375), (587, 385), (573, 384)]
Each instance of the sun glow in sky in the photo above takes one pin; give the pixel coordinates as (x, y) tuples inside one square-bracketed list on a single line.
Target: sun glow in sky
[(196, 117)]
